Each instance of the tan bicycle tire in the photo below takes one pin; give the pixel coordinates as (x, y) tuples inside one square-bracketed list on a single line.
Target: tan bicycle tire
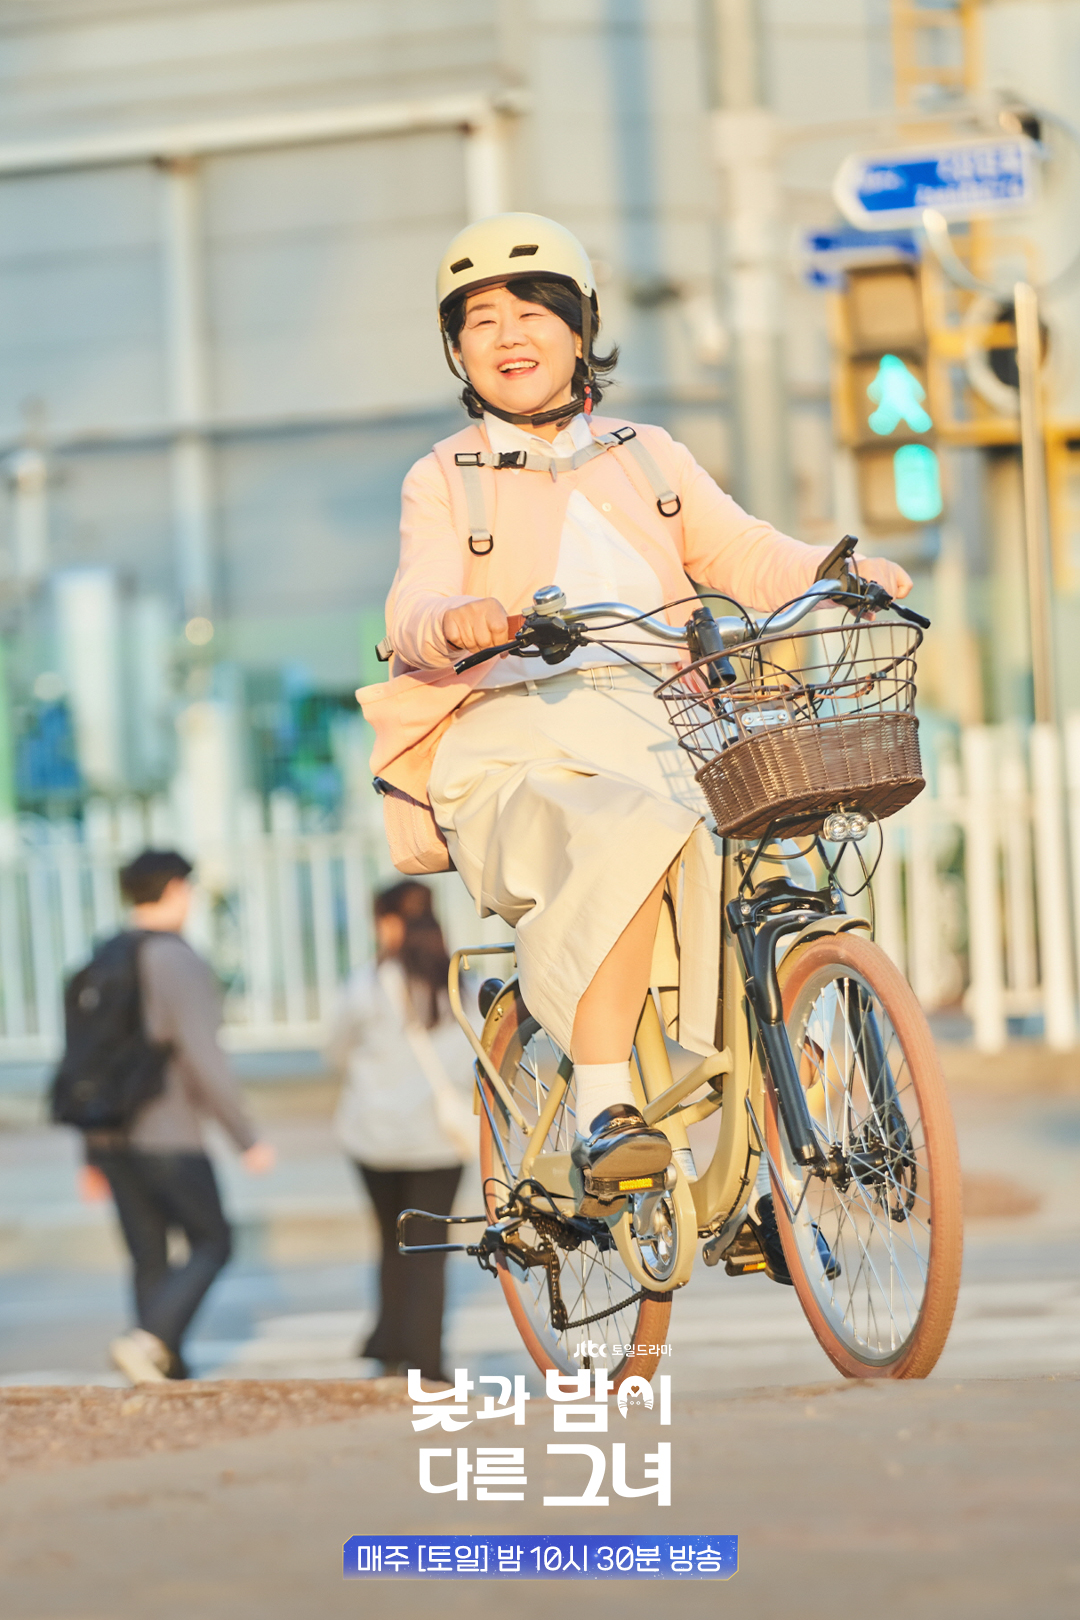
[(921, 1351), (654, 1310)]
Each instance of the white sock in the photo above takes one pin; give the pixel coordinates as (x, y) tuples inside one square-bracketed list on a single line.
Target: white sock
[(600, 1086)]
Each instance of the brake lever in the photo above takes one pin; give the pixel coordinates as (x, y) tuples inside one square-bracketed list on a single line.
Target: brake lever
[(514, 622), (482, 657)]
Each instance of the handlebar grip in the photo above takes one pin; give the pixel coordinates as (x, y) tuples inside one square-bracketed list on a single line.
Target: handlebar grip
[(911, 616), (515, 622)]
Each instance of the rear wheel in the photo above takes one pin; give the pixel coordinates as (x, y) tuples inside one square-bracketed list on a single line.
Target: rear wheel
[(874, 1254), (603, 1302)]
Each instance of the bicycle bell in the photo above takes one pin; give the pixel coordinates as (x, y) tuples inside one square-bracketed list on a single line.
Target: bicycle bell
[(549, 599)]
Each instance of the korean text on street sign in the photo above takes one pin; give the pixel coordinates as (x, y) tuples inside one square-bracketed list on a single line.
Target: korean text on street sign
[(963, 180)]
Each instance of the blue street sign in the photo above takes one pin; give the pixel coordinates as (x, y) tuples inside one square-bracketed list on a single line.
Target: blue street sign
[(847, 243), (826, 253), (962, 180)]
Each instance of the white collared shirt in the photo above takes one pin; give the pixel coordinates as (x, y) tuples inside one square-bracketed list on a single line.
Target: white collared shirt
[(596, 564)]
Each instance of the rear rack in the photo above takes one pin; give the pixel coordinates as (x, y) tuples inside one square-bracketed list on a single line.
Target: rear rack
[(459, 960)]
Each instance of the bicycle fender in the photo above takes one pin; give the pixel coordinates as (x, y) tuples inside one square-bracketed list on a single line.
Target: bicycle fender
[(824, 925)]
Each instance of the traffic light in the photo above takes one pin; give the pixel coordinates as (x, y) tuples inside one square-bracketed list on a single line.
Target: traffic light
[(880, 394)]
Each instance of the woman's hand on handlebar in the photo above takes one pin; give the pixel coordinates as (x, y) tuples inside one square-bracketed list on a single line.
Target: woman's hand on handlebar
[(476, 625), (887, 574)]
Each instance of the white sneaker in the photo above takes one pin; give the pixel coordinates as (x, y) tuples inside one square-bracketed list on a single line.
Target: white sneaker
[(141, 1356)]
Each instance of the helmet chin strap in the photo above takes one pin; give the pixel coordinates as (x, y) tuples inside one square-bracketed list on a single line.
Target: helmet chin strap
[(540, 418), (576, 403)]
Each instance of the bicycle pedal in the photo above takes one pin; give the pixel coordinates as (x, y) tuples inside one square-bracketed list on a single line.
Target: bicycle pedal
[(743, 1268), (600, 1198), (743, 1256), (607, 1189)]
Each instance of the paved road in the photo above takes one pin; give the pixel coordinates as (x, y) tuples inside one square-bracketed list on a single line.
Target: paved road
[(953, 1498), (933, 1501)]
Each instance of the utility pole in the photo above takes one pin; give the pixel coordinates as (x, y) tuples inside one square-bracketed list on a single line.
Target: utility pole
[(745, 145), (1036, 518), (185, 333)]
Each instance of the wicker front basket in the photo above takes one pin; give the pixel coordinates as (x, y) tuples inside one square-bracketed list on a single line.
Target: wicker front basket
[(796, 774)]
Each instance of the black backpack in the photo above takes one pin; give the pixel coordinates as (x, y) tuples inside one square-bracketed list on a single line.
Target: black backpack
[(109, 1069)]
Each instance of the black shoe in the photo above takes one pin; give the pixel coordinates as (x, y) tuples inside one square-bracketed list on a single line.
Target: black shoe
[(763, 1225), (620, 1155)]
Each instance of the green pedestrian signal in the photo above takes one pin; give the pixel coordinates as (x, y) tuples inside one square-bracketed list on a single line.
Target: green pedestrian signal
[(898, 395), (886, 385), (917, 478)]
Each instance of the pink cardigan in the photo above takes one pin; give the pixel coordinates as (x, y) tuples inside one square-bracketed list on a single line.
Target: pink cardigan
[(711, 541)]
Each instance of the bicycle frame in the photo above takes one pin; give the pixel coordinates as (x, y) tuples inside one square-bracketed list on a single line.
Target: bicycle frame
[(751, 1034), (710, 1206)]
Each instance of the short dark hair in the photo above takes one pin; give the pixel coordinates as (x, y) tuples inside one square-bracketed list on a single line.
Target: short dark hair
[(563, 301), (145, 879)]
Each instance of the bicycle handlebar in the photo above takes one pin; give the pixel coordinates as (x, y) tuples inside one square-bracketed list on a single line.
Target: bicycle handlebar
[(733, 630), (557, 627)]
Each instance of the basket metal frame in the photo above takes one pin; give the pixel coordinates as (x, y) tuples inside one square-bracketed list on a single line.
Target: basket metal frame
[(820, 719)]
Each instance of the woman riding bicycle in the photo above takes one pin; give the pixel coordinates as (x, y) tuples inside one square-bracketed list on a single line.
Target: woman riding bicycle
[(564, 799)]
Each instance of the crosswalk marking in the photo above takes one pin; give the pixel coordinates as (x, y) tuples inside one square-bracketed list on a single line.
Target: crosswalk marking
[(749, 1337)]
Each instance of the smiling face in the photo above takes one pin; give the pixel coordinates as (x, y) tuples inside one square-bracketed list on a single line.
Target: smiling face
[(518, 356)]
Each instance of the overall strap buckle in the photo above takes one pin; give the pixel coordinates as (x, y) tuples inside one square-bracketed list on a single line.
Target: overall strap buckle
[(481, 539)]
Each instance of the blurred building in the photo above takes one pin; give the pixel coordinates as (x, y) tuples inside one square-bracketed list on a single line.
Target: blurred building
[(219, 223)]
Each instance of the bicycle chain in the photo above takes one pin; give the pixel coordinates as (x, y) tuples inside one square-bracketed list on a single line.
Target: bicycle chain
[(611, 1310)]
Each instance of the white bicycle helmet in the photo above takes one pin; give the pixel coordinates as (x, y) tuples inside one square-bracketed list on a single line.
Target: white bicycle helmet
[(511, 247)]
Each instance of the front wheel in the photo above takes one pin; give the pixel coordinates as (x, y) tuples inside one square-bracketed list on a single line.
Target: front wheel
[(875, 1252)]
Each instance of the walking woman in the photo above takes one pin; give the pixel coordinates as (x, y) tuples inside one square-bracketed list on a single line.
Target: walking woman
[(562, 796), (405, 1117)]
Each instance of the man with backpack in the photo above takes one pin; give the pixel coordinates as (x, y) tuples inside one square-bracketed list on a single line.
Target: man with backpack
[(141, 1070)]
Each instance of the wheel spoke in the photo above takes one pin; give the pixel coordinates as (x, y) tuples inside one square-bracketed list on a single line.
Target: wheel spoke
[(875, 1220)]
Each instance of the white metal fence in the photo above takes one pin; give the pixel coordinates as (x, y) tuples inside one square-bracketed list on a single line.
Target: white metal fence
[(284, 916), (976, 896), (978, 892)]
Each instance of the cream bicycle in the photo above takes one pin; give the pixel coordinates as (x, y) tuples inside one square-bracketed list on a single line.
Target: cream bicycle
[(825, 1063)]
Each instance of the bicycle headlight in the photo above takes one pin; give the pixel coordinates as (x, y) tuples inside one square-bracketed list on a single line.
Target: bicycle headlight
[(845, 826)]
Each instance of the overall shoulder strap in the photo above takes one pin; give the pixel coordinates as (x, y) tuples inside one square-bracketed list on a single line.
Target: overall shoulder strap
[(468, 463), (668, 503)]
